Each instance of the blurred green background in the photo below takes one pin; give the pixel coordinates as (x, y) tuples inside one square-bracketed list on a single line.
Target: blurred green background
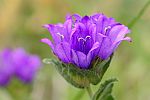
[(21, 26)]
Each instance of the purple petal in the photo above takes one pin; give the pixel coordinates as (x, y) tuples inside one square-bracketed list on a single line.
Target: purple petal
[(26, 72), (127, 39), (85, 20), (80, 59), (105, 49), (6, 62), (95, 17), (83, 62), (75, 57), (20, 57), (63, 51), (109, 45), (34, 62), (47, 41), (67, 30), (25, 65), (91, 54), (56, 32), (118, 32), (4, 79), (77, 17), (99, 23)]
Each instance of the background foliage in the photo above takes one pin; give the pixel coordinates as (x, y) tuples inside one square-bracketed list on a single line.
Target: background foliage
[(20, 26)]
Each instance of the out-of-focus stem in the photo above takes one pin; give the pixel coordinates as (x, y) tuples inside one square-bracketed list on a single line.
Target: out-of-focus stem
[(134, 21), (89, 90)]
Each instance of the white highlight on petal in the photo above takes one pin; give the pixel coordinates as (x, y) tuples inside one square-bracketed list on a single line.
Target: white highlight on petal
[(62, 36), (87, 37), (106, 28), (84, 39), (81, 39)]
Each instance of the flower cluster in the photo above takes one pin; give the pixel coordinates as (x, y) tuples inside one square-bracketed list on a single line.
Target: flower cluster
[(17, 63), (79, 40)]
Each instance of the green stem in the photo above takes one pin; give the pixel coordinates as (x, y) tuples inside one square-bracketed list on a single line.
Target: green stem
[(89, 90), (134, 21)]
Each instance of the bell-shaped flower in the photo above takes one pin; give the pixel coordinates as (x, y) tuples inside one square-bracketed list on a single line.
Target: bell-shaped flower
[(80, 40)]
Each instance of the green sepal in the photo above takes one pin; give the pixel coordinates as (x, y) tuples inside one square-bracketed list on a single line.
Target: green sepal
[(104, 92), (72, 74), (99, 70), (81, 78)]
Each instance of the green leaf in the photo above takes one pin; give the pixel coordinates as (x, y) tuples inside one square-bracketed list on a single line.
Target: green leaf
[(104, 92)]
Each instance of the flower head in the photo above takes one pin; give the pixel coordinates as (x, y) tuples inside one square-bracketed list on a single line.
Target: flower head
[(17, 63), (26, 65), (79, 40), (6, 69)]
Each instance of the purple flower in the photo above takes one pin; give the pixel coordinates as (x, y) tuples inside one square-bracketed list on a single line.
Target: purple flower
[(6, 69), (17, 63), (81, 39), (26, 64)]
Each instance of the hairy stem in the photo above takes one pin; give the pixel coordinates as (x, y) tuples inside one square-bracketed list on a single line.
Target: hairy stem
[(134, 21)]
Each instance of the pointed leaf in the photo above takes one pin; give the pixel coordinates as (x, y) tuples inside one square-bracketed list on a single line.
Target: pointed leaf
[(104, 92), (99, 70)]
